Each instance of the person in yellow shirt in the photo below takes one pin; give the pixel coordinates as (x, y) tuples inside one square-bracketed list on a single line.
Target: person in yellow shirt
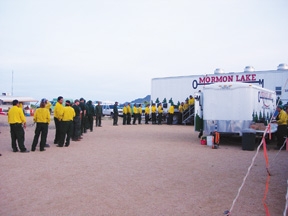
[(160, 113), (66, 124), (124, 114), (17, 122), (186, 105), (47, 104), (153, 111), (42, 119), (181, 110), (147, 113), (135, 114), (139, 113), (281, 120), (58, 112), (170, 114), (129, 112), (191, 100)]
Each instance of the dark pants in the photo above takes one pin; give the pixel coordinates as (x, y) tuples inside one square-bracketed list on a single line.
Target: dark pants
[(146, 118), (129, 118), (281, 133), (76, 128), (159, 118), (139, 118), (90, 122), (57, 131), (17, 133), (83, 124), (180, 118), (98, 120), (135, 117), (170, 119), (153, 118), (43, 129), (66, 131), (124, 119), (115, 119)]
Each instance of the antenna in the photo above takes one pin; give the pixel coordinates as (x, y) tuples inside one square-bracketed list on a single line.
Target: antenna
[(12, 82)]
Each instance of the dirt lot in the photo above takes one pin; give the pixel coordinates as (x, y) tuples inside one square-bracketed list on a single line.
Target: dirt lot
[(137, 170)]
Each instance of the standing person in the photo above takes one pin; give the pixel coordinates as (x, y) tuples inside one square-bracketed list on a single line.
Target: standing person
[(139, 114), (191, 100), (153, 110), (124, 114), (160, 113), (98, 113), (58, 112), (42, 119), (135, 114), (17, 122), (83, 115), (115, 114), (76, 121), (281, 120), (170, 114), (129, 114), (90, 114), (66, 124), (181, 110), (147, 113)]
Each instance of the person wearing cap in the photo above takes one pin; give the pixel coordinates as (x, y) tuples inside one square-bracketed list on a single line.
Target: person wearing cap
[(124, 114), (76, 134), (129, 112), (42, 120), (66, 124), (153, 111), (160, 113), (17, 122), (170, 114), (281, 120), (135, 114), (98, 113), (58, 112), (90, 114), (147, 113), (115, 114), (139, 113), (83, 115)]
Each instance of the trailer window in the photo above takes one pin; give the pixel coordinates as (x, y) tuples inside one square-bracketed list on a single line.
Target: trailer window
[(278, 90)]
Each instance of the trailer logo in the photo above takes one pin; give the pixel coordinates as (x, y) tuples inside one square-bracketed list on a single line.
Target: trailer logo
[(246, 78), (265, 97)]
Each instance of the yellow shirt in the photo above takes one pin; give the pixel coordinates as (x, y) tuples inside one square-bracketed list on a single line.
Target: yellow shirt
[(153, 109), (147, 110), (68, 113), (139, 110), (171, 110), (48, 105), (181, 108), (124, 110), (58, 111), (191, 101), (160, 110), (186, 105), (128, 110), (16, 115), (42, 115), (135, 110), (282, 118)]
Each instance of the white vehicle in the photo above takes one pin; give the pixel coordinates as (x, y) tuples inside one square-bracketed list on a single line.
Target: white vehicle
[(180, 87), (232, 107), (108, 107)]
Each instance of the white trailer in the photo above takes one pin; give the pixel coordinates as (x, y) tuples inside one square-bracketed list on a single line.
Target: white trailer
[(231, 107), (180, 87)]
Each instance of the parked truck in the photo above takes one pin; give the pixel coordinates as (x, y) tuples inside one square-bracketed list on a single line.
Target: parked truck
[(231, 108)]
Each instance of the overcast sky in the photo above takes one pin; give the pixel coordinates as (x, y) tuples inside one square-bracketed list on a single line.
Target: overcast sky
[(110, 50)]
